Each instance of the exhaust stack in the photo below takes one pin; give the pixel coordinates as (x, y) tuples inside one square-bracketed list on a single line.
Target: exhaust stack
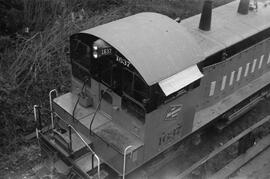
[(243, 7), (205, 22)]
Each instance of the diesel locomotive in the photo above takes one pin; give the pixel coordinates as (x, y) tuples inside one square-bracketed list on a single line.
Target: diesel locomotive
[(143, 83)]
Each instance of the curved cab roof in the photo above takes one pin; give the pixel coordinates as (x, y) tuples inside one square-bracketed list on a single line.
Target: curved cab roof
[(157, 46)]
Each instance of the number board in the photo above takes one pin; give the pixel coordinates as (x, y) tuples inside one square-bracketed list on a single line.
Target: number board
[(105, 51), (170, 135), (122, 60)]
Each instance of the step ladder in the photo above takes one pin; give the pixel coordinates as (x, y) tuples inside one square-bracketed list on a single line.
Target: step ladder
[(93, 154), (67, 143)]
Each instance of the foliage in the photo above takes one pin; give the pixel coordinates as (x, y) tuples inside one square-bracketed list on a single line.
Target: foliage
[(38, 14)]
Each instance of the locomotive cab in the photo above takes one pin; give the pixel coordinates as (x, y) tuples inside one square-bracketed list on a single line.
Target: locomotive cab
[(109, 99), (105, 65)]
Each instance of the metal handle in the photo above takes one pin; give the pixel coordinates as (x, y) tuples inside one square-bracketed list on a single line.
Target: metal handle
[(51, 105), (35, 117), (70, 139), (124, 163)]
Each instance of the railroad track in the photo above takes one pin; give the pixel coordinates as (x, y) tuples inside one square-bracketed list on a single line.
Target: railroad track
[(237, 163), (258, 167), (246, 164)]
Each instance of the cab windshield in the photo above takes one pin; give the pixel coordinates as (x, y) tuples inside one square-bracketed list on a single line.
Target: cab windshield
[(114, 71), (125, 81)]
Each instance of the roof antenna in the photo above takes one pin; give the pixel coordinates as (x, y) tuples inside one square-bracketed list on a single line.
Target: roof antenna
[(206, 16), (243, 7)]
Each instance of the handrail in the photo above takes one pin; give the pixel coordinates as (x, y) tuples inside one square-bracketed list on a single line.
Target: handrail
[(61, 137), (95, 113), (70, 139), (97, 109), (124, 163), (51, 106), (35, 118), (85, 143)]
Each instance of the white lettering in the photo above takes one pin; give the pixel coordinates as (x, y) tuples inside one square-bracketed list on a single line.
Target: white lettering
[(106, 51), (122, 61)]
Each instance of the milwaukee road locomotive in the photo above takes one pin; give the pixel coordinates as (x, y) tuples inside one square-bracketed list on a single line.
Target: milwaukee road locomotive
[(143, 83)]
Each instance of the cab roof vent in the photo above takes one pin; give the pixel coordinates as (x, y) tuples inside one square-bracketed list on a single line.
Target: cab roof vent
[(205, 22), (243, 7)]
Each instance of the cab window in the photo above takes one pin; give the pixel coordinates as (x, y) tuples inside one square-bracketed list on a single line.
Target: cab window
[(135, 86)]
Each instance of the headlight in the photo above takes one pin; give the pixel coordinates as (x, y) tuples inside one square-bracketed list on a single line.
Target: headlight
[(101, 48), (95, 54)]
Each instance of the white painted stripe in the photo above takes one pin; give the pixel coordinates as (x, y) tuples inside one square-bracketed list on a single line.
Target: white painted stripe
[(223, 82), (212, 88), (247, 68), (268, 61), (261, 61), (232, 78), (253, 65), (239, 74), (174, 111)]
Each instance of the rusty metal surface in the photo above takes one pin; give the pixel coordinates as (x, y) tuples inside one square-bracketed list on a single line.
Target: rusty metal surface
[(228, 27), (157, 46)]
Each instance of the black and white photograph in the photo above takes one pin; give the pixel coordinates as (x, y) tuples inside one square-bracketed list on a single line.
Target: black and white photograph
[(134, 89)]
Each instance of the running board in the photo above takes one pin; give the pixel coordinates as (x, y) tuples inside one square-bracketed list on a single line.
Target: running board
[(234, 116)]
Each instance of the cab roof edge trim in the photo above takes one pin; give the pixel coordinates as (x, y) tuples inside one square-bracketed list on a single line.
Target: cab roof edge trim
[(156, 45), (180, 80)]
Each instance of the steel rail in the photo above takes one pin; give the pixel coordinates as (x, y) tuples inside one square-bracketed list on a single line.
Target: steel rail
[(235, 165), (223, 147)]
